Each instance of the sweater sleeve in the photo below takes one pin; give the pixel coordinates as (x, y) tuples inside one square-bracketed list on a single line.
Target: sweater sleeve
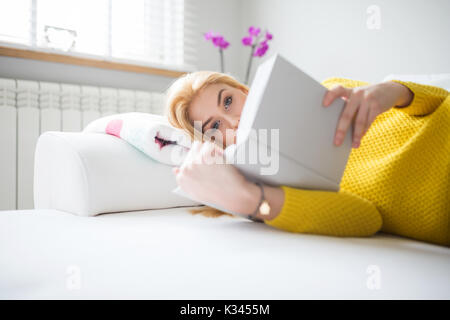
[(327, 213), (426, 98)]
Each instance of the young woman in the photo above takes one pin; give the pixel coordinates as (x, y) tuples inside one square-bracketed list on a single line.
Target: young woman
[(397, 179)]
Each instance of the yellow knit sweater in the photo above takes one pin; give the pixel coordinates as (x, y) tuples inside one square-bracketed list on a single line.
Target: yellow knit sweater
[(397, 181)]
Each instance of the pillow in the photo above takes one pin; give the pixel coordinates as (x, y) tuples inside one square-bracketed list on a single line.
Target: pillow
[(150, 133), (88, 174)]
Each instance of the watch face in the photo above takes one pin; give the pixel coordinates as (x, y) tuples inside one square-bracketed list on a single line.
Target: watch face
[(264, 208)]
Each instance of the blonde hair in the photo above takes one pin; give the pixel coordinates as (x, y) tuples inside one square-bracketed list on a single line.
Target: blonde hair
[(179, 97)]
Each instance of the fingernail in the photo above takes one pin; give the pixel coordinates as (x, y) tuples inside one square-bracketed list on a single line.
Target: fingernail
[(337, 141), (338, 138), (355, 144)]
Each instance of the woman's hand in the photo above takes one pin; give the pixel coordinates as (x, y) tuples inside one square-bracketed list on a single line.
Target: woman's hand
[(364, 104), (206, 177)]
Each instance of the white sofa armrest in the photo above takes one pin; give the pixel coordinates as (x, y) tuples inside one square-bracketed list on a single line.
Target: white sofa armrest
[(90, 173)]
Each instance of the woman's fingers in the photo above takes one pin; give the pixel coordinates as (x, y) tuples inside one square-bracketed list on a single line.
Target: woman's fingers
[(211, 153), (335, 92), (347, 116), (373, 113), (360, 123), (191, 156)]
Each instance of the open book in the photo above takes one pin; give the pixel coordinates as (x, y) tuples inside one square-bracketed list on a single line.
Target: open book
[(285, 135)]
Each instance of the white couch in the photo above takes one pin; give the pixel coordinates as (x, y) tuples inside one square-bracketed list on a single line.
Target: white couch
[(57, 251)]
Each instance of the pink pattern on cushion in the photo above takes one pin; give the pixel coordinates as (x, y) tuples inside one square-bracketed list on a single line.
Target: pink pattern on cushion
[(162, 142), (114, 127)]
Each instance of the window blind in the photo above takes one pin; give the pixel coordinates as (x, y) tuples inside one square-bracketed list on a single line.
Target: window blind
[(149, 32)]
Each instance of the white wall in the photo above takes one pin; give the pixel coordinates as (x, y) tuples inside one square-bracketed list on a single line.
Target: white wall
[(330, 38), (324, 37), (224, 17)]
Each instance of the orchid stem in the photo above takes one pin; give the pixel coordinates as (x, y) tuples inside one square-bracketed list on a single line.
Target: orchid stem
[(221, 61), (249, 64)]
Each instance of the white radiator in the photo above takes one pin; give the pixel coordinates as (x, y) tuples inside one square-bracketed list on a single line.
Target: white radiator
[(29, 108)]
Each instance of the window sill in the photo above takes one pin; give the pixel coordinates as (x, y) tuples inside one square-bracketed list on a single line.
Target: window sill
[(86, 61)]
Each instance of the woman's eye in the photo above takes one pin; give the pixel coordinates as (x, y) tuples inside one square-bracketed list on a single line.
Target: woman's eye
[(216, 124), (228, 101)]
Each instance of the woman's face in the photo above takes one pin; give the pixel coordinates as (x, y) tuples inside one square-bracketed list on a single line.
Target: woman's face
[(219, 108)]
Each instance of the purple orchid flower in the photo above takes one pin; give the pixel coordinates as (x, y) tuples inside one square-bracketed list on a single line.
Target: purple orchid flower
[(209, 35), (218, 41), (224, 44), (259, 49), (254, 31), (247, 41), (262, 48)]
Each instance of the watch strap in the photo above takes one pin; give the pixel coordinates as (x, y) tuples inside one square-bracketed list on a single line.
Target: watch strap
[(252, 216)]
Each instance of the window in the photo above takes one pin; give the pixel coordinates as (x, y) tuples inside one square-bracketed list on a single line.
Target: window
[(148, 31)]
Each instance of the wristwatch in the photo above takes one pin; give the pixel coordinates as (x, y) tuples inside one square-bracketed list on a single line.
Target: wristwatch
[(263, 206)]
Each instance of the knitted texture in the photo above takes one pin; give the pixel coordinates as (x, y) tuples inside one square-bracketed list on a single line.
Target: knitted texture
[(397, 181)]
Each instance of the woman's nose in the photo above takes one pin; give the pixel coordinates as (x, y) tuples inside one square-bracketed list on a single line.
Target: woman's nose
[(233, 121)]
